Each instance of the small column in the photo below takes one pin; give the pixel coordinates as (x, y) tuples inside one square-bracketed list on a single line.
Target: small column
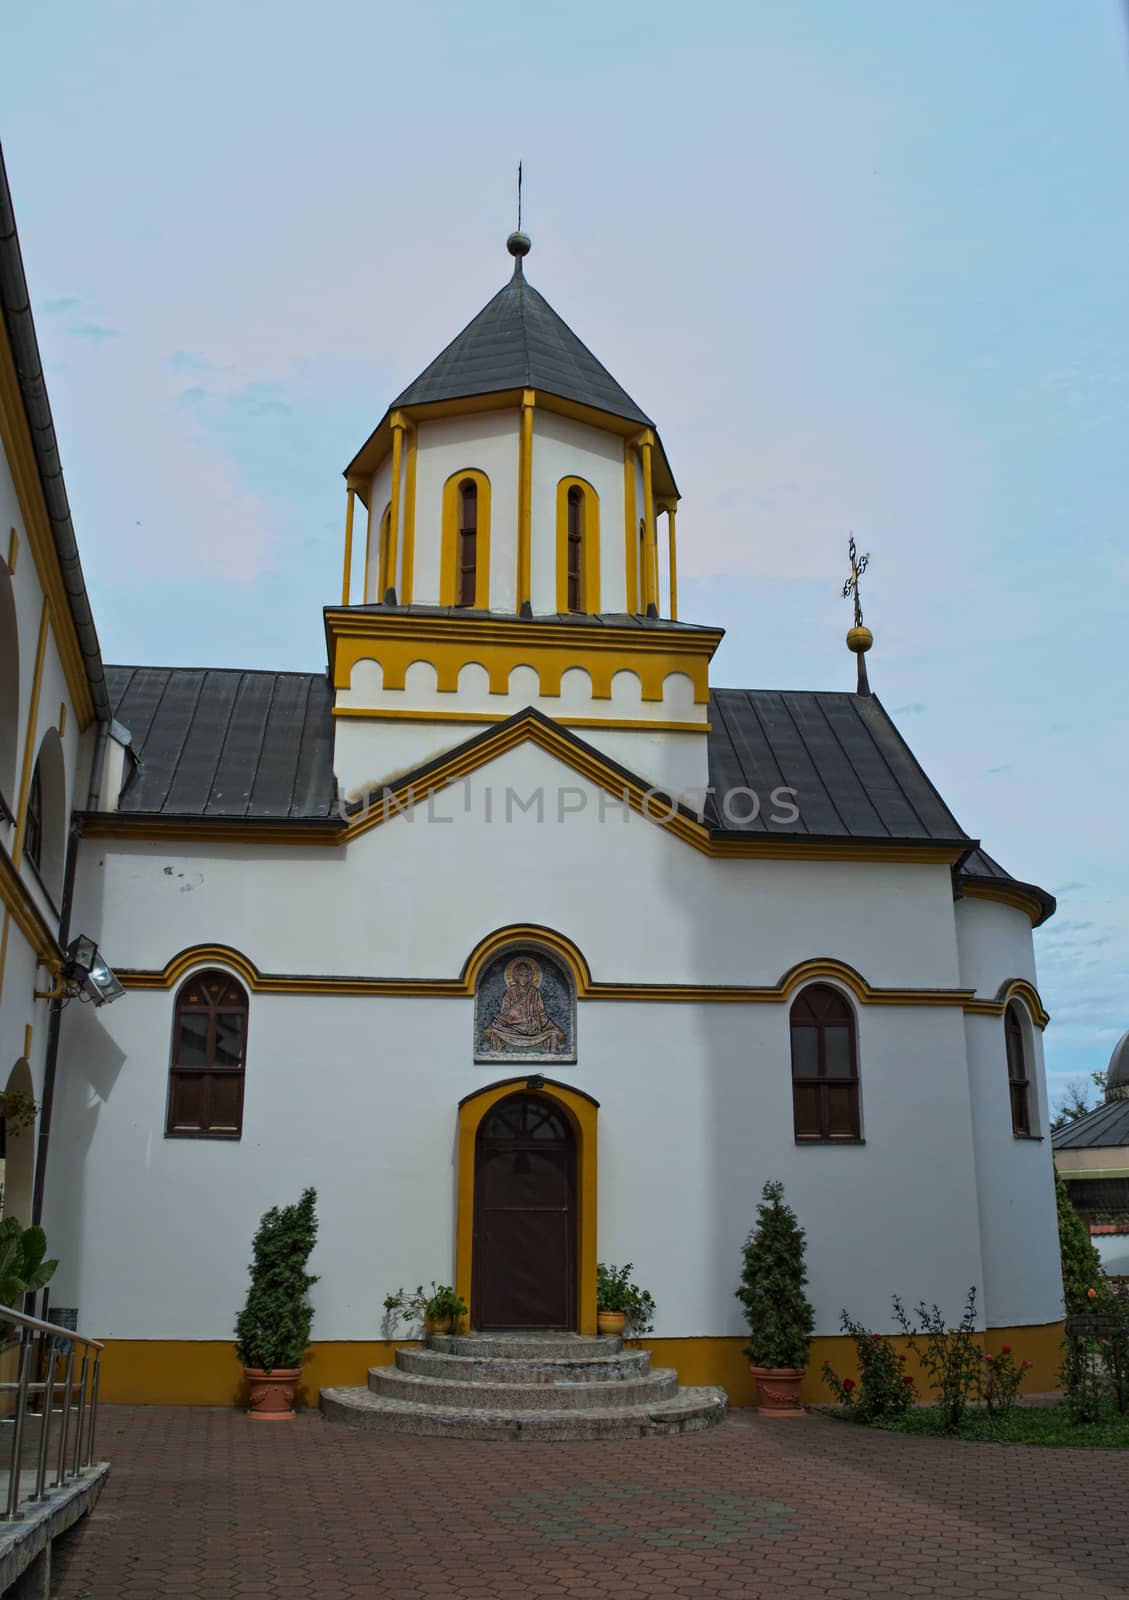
[(347, 575), (651, 556), (388, 561), (525, 504), (408, 574), (673, 559)]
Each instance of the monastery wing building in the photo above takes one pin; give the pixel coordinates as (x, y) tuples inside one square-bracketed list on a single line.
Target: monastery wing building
[(510, 932)]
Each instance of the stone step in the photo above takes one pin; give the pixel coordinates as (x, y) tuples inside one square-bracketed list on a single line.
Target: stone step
[(393, 1384), (526, 1346), (688, 1411), (555, 1369)]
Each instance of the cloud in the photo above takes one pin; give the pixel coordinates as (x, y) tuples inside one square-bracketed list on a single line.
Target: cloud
[(1005, 766), (53, 307), (1067, 888), (96, 331), (185, 361), (192, 397), (911, 709)]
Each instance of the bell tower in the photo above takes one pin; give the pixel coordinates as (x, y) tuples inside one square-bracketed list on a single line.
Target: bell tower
[(501, 551)]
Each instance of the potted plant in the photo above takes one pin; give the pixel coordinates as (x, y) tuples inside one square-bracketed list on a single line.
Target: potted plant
[(621, 1306), (439, 1311), (273, 1329), (779, 1316), (22, 1267)]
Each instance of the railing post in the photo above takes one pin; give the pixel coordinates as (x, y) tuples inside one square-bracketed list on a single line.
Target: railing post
[(80, 1413), (64, 1426), (93, 1407), (48, 1345), (18, 1431)]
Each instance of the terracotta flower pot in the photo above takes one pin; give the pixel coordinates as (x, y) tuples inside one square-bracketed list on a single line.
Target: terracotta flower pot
[(610, 1321), (778, 1390), (271, 1397)]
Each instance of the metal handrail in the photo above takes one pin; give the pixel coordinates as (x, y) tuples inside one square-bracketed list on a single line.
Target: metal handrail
[(42, 1346)]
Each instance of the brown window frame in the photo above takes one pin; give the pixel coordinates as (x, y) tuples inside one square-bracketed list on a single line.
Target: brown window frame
[(574, 547), (33, 820), (815, 1008), (1018, 1076), (231, 999), (466, 574)]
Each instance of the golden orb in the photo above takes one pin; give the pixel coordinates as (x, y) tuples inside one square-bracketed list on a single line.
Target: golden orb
[(859, 640)]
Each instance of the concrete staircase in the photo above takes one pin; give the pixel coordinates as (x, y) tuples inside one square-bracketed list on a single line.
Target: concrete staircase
[(525, 1386)]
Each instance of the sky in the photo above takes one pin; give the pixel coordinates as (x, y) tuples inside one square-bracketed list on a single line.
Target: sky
[(866, 265)]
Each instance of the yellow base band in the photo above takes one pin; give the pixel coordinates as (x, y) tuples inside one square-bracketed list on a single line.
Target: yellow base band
[(205, 1372)]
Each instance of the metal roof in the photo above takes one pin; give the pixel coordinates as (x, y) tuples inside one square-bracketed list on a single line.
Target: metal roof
[(853, 774), (980, 866), (1107, 1126), (517, 341), (226, 744)]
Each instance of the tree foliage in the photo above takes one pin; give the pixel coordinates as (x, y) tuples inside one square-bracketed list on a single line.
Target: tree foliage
[(22, 1267), (273, 1329), (1074, 1102), (772, 1286), (1081, 1263)]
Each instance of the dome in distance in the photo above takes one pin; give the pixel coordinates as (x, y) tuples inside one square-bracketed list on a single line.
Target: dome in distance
[(1117, 1073)]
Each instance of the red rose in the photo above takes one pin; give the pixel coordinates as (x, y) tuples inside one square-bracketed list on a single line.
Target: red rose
[(901, 1358), (1091, 1294), (848, 1383), (877, 1336), (1005, 1350), (987, 1358), (907, 1378)]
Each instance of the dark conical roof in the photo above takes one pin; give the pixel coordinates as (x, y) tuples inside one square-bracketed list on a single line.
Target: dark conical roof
[(517, 341)]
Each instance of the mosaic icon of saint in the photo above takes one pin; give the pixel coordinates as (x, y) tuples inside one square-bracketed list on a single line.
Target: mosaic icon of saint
[(521, 1022)]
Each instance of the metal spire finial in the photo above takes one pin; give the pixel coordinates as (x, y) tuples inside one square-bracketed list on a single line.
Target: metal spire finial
[(518, 244), (859, 639)]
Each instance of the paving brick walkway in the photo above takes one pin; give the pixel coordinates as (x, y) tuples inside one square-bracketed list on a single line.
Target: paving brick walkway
[(203, 1503)]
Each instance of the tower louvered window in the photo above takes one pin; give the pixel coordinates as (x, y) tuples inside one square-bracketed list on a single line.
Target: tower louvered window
[(466, 588), (575, 549)]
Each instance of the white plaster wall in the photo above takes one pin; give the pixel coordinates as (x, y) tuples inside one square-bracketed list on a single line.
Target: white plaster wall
[(1113, 1248), (563, 448), (995, 945), (487, 441), (380, 493), (359, 1097)]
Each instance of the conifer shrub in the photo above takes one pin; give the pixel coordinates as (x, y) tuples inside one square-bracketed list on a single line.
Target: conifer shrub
[(1081, 1263), (772, 1286), (273, 1329)]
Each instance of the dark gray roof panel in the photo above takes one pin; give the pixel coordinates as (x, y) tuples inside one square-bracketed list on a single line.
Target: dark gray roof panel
[(979, 865), (517, 341), (854, 775), (228, 744), (1107, 1126)]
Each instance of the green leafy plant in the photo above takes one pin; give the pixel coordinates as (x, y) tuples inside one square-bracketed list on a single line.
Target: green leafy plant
[(22, 1265), (1095, 1370), (951, 1356), (1001, 1379), (616, 1292), (1081, 1263), (772, 1286), (883, 1387), (18, 1109), (273, 1329), (416, 1305)]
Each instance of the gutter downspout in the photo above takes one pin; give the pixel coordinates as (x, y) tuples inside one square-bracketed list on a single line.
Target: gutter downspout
[(54, 1022)]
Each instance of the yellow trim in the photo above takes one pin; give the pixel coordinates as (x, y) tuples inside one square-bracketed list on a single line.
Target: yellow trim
[(346, 576), (4, 947), (449, 551), (1077, 1174), (673, 555), (28, 1030), (630, 530), (1014, 989), (587, 988), (13, 549), (1005, 895), (582, 1114), (589, 545), (486, 718), (525, 498), (407, 581), (15, 438), (62, 718), (500, 645), (119, 825), (187, 1372), (17, 901), (389, 547), (30, 741), (368, 554)]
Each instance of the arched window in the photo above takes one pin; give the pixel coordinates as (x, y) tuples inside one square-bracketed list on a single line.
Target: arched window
[(209, 1049), (384, 578), (578, 546), (9, 696), (33, 824), (825, 1079), (467, 584), (1018, 1082)]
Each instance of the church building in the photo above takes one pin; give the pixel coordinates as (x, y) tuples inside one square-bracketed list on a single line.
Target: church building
[(513, 933)]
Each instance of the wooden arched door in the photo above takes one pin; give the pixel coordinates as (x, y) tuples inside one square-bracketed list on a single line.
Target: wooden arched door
[(524, 1273)]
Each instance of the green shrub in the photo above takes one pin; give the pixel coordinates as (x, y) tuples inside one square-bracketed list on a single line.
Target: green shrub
[(884, 1387), (616, 1292), (273, 1329), (772, 1286), (951, 1356), (1001, 1379), (414, 1305), (1081, 1263)]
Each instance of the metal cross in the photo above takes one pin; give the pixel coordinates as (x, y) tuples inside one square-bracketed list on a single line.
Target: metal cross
[(859, 565), (519, 197)]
